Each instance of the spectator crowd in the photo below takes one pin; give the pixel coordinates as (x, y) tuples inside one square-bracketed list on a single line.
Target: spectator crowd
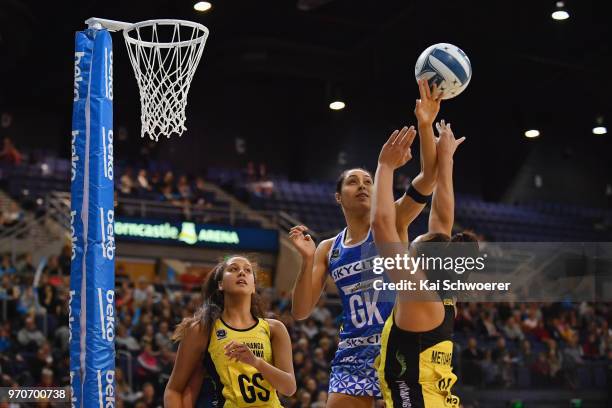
[(549, 343)]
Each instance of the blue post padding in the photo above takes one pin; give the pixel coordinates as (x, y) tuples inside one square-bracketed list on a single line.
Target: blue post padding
[(92, 277), (82, 64)]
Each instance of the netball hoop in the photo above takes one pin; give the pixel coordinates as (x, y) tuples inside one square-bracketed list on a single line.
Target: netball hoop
[(164, 55)]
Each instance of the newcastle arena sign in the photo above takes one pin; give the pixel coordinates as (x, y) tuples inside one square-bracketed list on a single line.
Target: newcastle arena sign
[(192, 234)]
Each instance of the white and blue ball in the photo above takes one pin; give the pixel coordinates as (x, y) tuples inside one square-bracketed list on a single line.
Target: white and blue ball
[(447, 66)]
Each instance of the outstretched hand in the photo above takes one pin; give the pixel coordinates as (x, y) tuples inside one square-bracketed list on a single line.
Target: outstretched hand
[(396, 152), (427, 107), (446, 142)]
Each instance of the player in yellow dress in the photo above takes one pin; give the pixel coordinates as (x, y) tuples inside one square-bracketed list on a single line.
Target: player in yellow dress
[(249, 358), (416, 347)]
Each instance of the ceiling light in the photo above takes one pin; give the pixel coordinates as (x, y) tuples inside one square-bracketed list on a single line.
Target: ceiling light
[(600, 130), (202, 6), (532, 133), (337, 105), (561, 12)]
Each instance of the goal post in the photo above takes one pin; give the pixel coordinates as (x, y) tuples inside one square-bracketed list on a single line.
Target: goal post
[(164, 55)]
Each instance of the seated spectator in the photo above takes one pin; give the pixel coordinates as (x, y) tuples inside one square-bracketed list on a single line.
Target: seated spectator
[(124, 391), (561, 329), (572, 359), (29, 336), (148, 367), (304, 400), (500, 353), (309, 328), (541, 332), (142, 182), (319, 359), (512, 329), (46, 293), (9, 154), (125, 341), (320, 313), (126, 182), (46, 378), (329, 327), (471, 359), (142, 291), (162, 338), (156, 182), (42, 360), (26, 265), (591, 347), (200, 195), (149, 396), (5, 339), (6, 266), (64, 259), (526, 356), (554, 359), (54, 270), (183, 188), (487, 326), (540, 371), (321, 401), (28, 302), (149, 336), (12, 215), (490, 369)]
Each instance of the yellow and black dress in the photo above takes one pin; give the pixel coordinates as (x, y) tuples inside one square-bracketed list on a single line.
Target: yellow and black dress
[(241, 385), (415, 368)]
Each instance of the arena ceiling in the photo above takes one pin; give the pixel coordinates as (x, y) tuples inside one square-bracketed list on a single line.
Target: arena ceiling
[(269, 68)]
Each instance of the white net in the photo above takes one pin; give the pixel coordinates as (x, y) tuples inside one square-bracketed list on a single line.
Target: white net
[(164, 55)]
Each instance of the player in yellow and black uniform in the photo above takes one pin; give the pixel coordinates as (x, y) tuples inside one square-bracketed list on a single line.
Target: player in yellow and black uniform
[(416, 367), (416, 348), (242, 385), (248, 358)]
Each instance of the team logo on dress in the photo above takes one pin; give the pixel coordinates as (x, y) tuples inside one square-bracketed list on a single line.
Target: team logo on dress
[(221, 334), (335, 254), (402, 361)]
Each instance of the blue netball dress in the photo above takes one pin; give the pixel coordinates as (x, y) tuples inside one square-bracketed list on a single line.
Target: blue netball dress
[(364, 312)]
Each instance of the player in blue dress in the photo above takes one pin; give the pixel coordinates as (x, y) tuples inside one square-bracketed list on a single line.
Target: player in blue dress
[(347, 260)]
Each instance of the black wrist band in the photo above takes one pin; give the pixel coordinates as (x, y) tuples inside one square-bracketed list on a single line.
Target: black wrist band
[(416, 196)]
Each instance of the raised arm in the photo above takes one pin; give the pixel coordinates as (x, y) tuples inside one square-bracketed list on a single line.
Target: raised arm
[(394, 154), (188, 359), (409, 207), (313, 274), (442, 215)]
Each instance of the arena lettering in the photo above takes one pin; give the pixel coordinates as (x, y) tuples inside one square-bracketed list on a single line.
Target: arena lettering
[(108, 68), (107, 314), (75, 157), (354, 268), (73, 238), (218, 236), (73, 399), (77, 74), (163, 231), (70, 316), (108, 234), (107, 147), (108, 389)]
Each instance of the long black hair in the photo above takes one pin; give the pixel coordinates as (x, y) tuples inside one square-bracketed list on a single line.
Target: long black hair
[(214, 300)]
